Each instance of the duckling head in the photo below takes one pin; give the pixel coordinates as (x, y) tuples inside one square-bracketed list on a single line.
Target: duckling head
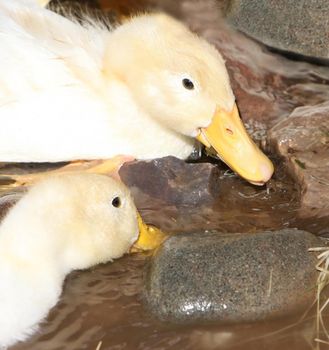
[(181, 81), (76, 220)]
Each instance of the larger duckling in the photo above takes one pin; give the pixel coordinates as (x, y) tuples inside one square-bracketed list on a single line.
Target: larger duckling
[(146, 89), (62, 224)]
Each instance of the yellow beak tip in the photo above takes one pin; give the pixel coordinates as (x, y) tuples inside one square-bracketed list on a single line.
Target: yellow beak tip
[(150, 237), (227, 135)]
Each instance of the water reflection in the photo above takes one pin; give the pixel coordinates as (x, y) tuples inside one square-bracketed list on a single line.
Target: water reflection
[(240, 207)]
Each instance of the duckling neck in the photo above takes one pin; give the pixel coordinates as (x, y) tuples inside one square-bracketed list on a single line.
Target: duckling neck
[(31, 282), (32, 269), (28, 238), (28, 291)]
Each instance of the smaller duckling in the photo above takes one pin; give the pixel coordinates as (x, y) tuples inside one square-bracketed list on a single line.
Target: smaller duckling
[(63, 223)]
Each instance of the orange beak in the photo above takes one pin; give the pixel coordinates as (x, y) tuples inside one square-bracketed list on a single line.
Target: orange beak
[(228, 137), (149, 238)]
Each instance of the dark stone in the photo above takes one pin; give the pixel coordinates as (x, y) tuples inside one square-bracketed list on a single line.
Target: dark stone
[(300, 26), (231, 278), (172, 181), (303, 140)]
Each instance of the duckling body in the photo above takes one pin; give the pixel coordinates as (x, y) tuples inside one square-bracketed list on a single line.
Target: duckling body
[(56, 102), (145, 89), (63, 223)]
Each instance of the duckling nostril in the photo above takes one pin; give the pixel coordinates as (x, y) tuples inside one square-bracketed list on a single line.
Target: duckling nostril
[(229, 131)]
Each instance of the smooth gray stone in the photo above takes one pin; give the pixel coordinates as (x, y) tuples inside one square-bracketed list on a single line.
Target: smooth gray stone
[(231, 278), (300, 26)]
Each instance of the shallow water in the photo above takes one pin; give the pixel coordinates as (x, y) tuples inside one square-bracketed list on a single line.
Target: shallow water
[(105, 303), (240, 207)]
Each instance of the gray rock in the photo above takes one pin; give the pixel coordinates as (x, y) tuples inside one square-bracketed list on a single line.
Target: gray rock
[(300, 26), (303, 140), (172, 180), (306, 129), (231, 278)]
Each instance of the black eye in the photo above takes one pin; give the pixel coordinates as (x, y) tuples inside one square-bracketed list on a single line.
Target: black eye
[(188, 84), (116, 202)]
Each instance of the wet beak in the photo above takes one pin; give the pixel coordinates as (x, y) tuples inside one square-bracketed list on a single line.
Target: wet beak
[(149, 238), (228, 137)]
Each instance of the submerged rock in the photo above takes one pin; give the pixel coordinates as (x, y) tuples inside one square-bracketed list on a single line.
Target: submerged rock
[(172, 180), (231, 278), (303, 140), (300, 26)]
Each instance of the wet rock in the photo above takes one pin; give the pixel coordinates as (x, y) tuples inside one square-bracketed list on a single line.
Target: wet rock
[(172, 181), (298, 26), (303, 140), (231, 278), (306, 129), (312, 172)]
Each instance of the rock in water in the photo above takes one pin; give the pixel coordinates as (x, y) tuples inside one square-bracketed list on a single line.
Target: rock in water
[(172, 180), (231, 278), (303, 140), (300, 26)]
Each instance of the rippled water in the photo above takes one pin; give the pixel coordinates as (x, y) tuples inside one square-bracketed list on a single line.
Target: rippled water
[(105, 303), (240, 207)]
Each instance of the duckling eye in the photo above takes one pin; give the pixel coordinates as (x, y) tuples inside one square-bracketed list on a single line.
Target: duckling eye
[(188, 84), (116, 202)]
